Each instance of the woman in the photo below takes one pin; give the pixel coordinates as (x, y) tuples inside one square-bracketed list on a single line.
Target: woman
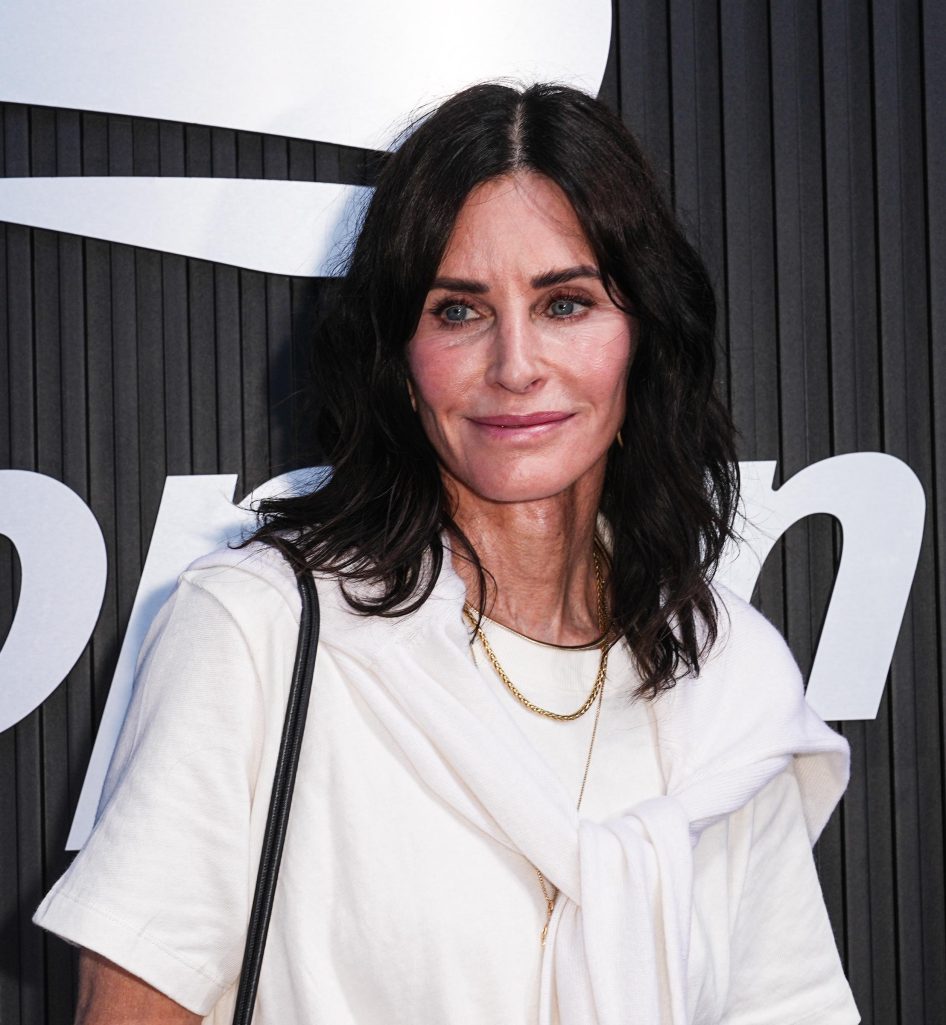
[(552, 772)]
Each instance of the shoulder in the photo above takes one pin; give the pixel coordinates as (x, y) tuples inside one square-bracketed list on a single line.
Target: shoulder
[(749, 661), (748, 681), (228, 616), (752, 659), (746, 715), (238, 577), (257, 586), (749, 643)]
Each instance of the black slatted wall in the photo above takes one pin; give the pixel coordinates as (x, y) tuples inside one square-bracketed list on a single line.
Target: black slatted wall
[(804, 145)]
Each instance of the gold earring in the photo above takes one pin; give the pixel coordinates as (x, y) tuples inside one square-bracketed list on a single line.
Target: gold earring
[(619, 439)]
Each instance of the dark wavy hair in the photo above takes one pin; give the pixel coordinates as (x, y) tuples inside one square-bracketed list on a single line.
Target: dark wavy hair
[(670, 491)]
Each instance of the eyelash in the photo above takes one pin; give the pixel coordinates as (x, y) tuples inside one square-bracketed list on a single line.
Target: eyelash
[(438, 308)]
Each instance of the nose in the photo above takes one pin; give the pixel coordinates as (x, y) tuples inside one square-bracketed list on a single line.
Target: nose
[(515, 357)]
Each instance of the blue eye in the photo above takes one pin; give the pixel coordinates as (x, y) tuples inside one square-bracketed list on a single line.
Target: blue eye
[(454, 313), (457, 313), (566, 306)]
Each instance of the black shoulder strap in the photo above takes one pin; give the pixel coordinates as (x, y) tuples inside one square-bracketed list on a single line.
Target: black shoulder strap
[(284, 780)]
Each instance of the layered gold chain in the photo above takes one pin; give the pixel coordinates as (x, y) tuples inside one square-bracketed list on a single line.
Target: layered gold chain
[(602, 666), (597, 692)]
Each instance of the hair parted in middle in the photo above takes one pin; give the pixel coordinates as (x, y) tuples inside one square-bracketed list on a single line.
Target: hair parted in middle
[(670, 492)]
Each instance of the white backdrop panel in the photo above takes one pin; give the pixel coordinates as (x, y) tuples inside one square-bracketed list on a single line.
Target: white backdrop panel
[(342, 73)]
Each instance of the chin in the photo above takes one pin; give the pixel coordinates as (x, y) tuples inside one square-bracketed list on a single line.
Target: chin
[(507, 489)]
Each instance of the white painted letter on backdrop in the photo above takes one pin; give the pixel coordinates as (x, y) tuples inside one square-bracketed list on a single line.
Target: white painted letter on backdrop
[(196, 516), (277, 227), (881, 507), (350, 73), (63, 571), (346, 73)]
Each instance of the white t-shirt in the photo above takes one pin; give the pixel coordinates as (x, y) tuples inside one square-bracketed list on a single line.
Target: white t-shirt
[(391, 907)]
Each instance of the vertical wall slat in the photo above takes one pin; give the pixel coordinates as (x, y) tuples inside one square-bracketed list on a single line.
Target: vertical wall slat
[(78, 686), (227, 345), (27, 755), (102, 475), (201, 329), (125, 398), (10, 961), (855, 406), (172, 144), (752, 327), (52, 780), (229, 371), (279, 377), (643, 52), (933, 15), (804, 369), (750, 244), (150, 354), (202, 332), (903, 323), (698, 146), (253, 351), (254, 379)]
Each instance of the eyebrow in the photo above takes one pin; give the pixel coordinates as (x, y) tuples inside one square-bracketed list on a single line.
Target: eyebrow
[(559, 277), (546, 280)]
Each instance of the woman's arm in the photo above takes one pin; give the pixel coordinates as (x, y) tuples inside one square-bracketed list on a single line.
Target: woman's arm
[(785, 968), (108, 995), (162, 885)]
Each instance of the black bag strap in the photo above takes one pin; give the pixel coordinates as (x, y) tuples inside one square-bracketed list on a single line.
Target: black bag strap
[(283, 782)]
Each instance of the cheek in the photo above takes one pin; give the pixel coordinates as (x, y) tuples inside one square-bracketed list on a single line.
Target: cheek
[(442, 374), (601, 365)]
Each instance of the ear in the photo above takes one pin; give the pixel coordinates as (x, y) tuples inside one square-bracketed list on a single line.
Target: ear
[(410, 392)]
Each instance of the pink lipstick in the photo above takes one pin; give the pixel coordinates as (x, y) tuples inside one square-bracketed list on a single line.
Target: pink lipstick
[(526, 425), (523, 420)]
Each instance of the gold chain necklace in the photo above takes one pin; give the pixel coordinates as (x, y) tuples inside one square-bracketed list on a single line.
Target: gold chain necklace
[(550, 901), (602, 666), (596, 692)]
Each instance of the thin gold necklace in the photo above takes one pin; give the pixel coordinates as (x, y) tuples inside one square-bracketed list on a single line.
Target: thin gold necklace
[(597, 692), (602, 666), (550, 901)]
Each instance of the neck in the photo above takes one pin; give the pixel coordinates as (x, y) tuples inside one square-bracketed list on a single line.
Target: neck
[(538, 560)]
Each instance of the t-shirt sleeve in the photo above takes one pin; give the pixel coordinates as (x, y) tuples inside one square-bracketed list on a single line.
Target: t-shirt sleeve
[(785, 967), (162, 885)]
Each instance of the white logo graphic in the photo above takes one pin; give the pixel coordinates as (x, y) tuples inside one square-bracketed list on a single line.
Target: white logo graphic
[(278, 227), (340, 73), (879, 502), (63, 563), (881, 547)]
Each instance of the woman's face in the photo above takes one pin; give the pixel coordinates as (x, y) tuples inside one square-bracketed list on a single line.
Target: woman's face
[(520, 360)]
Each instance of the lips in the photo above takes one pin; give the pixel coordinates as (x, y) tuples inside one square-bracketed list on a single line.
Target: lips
[(523, 420)]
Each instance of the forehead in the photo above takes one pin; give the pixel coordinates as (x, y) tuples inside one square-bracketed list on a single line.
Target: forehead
[(519, 223)]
